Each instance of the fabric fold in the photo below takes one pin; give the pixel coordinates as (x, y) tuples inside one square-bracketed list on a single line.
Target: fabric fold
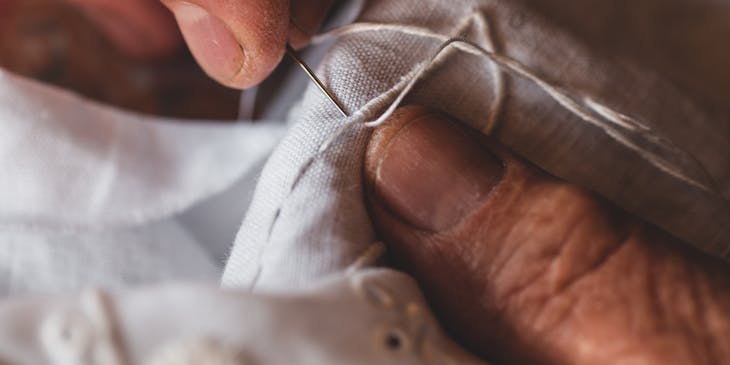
[(73, 164), (608, 125)]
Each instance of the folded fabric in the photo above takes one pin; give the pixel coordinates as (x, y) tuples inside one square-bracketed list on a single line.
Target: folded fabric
[(611, 126), (89, 194), (93, 196), (388, 323)]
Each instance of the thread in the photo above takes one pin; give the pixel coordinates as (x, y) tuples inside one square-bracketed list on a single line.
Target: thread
[(585, 107)]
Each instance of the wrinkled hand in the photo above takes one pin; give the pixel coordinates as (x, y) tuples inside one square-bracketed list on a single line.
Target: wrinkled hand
[(238, 43), (530, 270)]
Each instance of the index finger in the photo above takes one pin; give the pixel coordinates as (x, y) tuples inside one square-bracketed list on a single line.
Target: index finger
[(238, 43)]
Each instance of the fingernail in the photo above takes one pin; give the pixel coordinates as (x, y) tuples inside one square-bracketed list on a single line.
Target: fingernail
[(209, 39), (434, 173)]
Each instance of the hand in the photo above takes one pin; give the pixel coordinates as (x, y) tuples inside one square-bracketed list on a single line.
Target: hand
[(527, 269), (238, 43)]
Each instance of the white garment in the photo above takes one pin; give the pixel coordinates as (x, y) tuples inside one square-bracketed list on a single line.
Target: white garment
[(89, 194), (94, 174), (92, 196), (387, 323), (647, 150)]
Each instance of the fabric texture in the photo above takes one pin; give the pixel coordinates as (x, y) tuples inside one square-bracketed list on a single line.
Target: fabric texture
[(89, 195), (644, 144), (93, 196), (94, 174), (388, 323)]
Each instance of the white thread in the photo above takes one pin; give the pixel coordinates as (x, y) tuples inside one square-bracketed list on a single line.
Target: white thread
[(404, 86), (397, 91), (375, 27), (588, 113), (618, 118)]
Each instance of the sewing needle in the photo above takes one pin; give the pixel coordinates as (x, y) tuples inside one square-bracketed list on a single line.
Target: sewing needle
[(290, 51)]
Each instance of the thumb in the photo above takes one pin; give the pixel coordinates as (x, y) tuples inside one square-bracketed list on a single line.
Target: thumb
[(238, 43), (524, 268)]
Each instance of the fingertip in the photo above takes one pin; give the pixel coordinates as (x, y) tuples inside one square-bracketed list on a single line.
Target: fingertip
[(237, 43), (430, 170), (261, 30), (383, 136), (260, 60)]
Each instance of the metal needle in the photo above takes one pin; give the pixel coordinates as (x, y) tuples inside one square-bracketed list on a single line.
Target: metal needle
[(290, 51)]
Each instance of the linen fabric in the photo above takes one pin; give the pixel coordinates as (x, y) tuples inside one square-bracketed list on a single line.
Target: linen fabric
[(89, 195), (308, 219), (93, 196), (388, 323)]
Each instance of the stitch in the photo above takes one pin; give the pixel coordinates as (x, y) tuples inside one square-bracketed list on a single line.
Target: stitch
[(589, 112), (476, 18), (396, 93), (368, 111)]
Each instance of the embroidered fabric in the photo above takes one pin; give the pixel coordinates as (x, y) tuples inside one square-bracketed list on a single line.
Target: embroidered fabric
[(193, 325)]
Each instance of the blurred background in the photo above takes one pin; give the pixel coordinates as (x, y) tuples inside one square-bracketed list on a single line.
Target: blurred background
[(55, 42)]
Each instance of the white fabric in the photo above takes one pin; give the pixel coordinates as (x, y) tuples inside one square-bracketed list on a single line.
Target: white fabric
[(388, 323), (92, 196), (101, 167), (89, 194), (308, 219), (80, 172)]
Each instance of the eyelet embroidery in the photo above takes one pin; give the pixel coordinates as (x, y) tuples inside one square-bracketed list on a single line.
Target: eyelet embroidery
[(393, 339)]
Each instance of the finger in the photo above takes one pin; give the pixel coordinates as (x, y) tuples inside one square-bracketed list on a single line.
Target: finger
[(140, 28), (527, 269), (238, 43), (306, 19)]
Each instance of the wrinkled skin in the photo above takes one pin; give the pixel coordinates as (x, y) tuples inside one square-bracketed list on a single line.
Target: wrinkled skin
[(538, 271), (544, 272), (258, 31)]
